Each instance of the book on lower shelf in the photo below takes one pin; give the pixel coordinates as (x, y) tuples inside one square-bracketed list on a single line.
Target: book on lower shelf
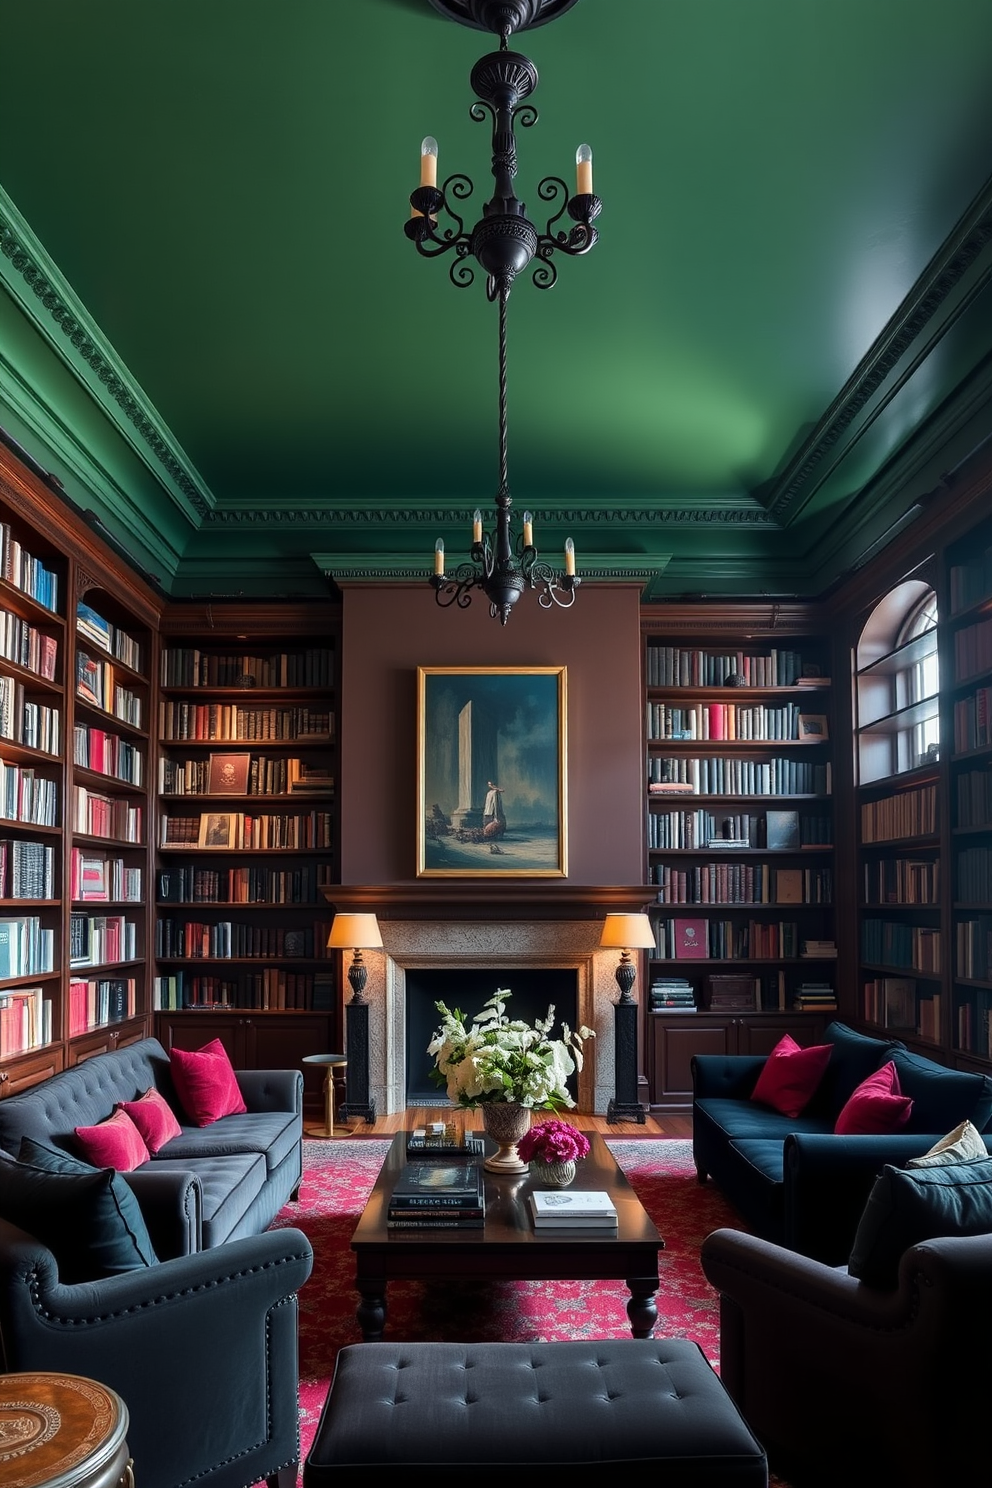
[(557, 1208)]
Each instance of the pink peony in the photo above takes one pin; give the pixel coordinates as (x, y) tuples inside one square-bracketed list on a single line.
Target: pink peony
[(552, 1142)]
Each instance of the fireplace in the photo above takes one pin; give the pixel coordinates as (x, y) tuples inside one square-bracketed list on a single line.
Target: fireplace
[(498, 950)]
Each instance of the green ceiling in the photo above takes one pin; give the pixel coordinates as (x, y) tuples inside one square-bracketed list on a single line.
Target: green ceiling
[(216, 334)]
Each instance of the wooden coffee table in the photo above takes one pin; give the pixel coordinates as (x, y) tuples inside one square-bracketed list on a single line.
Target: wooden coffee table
[(509, 1248)]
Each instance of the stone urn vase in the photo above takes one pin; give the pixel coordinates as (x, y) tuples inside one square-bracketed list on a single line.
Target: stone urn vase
[(505, 1122)]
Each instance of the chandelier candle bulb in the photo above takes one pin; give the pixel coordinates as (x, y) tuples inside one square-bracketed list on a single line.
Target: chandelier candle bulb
[(528, 530), (477, 526), (428, 161), (439, 556), (569, 557), (583, 170)]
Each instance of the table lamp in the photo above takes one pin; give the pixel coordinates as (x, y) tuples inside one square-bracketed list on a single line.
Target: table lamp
[(355, 932), (626, 933)]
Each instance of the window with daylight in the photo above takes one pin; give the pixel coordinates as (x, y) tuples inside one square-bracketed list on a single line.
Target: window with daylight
[(898, 684)]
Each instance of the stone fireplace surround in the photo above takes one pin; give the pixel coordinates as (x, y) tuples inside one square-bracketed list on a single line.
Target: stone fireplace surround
[(506, 945)]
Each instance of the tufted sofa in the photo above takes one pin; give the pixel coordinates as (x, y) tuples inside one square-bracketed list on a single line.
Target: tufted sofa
[(206, 1186), (793, 1180)]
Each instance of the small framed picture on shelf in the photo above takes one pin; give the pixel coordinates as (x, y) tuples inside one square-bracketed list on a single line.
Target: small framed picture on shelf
[(782, 830), (227, 774), (220, 830), (813, 728)]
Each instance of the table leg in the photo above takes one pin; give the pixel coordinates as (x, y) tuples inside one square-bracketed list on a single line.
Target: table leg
[(371, 1313), (642, 1308)]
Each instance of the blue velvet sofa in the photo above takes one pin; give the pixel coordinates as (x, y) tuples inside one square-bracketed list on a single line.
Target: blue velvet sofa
[(209, 1185), (792, 1179)]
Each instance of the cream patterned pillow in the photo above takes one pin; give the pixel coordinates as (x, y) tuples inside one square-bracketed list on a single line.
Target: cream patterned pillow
[(963, 1144)]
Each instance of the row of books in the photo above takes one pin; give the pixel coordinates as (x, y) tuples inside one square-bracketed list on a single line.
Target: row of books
[(757, 721), (190, 667), (717, 939), (902, 881), (27, 947), (107, 754), (97, 940), (25, 1020), (743, 883), (973, 1024), (97, 684), (224, 940), (972, 650), (97, 1001), (27, 869), (782, 776), (974, 798), (26, 572), (272, 989), (94, 875), (891, 943), (973, 947), (26, 796), (771, 831), (182, 722), (97, 815), (235, 830), (911, 813), (970, 582), (252, 885), (973, 721), (684, 666), (95, 627), (241, 775), (24, 721), (741, 992), (974, 875), (33, 649)]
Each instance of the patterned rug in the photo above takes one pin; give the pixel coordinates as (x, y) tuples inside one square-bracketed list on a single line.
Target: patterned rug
[(337, 1180)]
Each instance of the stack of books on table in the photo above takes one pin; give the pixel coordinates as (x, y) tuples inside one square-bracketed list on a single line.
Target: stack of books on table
[(815, 997), (571, 1209), (443, 1140), (672, 994), (438, 1196)]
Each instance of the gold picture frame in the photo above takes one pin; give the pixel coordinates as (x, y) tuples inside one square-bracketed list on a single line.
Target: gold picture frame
[(220, 831), (491, 772)]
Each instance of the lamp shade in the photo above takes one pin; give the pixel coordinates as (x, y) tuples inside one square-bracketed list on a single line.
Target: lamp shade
[(354, 932), (627, 932)]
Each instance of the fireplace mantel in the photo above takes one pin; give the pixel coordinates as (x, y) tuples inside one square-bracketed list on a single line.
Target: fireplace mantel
[(440, 899)]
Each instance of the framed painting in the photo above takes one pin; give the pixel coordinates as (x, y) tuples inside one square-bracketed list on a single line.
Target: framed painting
[(227, 774), (491, 772), (220, 830)]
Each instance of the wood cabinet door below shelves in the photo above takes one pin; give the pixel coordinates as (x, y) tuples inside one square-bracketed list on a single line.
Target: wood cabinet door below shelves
[(674, 1041)]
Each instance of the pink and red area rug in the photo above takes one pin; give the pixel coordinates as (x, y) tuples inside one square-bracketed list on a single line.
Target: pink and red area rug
[(337, 1179)]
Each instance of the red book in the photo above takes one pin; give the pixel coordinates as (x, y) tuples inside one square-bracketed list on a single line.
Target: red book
[(691, 940)]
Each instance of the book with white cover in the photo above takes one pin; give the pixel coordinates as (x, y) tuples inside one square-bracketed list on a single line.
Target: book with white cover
[(559, 1206)]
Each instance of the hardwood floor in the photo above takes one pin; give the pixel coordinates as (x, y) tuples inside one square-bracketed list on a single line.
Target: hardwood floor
[(654, 1126)]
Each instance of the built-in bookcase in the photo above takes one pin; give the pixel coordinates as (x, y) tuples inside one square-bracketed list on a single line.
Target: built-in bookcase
[(739, 833)]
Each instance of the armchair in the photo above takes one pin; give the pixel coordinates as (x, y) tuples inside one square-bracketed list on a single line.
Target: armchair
[(202, 1349), (842, 1383)]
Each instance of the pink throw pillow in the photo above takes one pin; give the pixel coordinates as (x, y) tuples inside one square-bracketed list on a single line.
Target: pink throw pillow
[(154, 1118), (205, 1083), (878, 1105), (790, 1076), (114, 1143)]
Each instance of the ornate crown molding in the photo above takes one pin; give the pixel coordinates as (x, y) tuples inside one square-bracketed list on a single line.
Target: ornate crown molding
[(54, 309), (575, 516), (969, 239), (389, 567)]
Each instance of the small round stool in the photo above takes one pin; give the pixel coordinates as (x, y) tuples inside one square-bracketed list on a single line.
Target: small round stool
[(328, 1129), (62, 1429)]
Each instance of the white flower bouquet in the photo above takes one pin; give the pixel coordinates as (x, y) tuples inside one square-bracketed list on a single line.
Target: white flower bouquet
[(499, 1059)]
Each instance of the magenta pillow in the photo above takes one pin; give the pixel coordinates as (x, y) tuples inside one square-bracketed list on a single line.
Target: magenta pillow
[(154, 1118), (877, 1105), (205, 1083), (114, 1143), (790, 1075)]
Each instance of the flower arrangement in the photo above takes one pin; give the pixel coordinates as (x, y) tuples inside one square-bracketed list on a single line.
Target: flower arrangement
[(499, 1059), (553, 1142)]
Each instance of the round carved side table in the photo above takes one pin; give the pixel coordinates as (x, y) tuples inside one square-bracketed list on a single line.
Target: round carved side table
[(332, 1061), (62, 1429)]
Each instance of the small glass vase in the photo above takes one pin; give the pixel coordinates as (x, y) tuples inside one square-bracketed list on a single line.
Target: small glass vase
[(505, 1122), (552, 1175)]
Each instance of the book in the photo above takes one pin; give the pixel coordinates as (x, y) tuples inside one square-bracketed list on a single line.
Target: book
[(781, 830), (447, 1144), (559, 1208), (691, 940), (438, 1185)]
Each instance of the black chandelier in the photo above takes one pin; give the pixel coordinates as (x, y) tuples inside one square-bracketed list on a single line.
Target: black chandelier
[(504, 242)]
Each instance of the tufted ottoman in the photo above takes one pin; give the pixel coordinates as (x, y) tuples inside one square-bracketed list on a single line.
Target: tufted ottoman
[(460, 1409)]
